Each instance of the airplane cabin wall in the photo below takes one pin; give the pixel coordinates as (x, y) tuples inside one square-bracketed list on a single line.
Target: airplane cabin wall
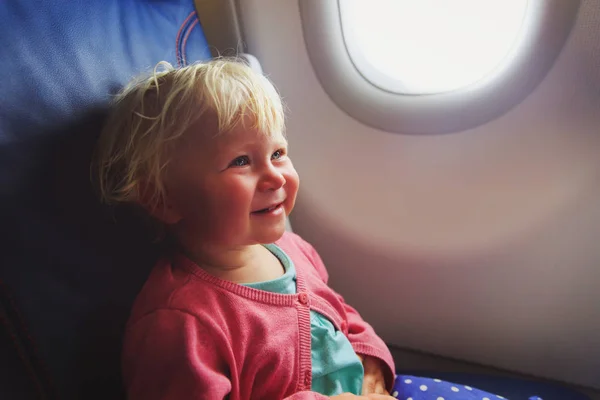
[(482, 245)]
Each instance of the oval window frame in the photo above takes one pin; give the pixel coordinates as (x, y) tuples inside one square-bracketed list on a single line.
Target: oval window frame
[(549, 24)]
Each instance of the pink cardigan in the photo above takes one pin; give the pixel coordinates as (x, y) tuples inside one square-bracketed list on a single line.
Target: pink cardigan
[(194, 336)]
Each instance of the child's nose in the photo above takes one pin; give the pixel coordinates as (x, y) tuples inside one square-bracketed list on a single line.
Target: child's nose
[(271, 179)]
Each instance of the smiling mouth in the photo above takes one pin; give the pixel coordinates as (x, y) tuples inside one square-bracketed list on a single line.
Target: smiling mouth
[(268, 209)]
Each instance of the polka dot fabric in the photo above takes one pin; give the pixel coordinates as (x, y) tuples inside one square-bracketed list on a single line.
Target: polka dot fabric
[(409, 387)]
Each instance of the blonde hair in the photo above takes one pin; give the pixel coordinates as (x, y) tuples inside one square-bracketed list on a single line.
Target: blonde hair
[(152, 113)]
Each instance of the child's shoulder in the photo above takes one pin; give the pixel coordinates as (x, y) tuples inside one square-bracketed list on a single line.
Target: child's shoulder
[(292, 242), (290, 237), (171, 286), (299, 249)]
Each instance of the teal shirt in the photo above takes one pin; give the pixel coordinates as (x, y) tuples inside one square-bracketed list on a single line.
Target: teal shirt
[(336, 368)]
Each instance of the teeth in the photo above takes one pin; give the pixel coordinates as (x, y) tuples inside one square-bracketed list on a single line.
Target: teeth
[(269, 209)]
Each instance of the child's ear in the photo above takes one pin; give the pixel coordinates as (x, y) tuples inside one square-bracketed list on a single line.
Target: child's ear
[(160, 208)]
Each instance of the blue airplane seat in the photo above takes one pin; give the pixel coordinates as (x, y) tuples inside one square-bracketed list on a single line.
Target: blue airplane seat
[(68, 272)]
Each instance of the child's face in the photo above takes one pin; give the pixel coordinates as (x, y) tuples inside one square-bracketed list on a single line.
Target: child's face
[(235, 189)]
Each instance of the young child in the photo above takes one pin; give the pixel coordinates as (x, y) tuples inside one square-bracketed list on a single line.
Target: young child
[(237, 308)]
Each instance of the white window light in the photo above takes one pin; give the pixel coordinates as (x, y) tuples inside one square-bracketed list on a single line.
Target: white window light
[(430, 46), (431, 67)]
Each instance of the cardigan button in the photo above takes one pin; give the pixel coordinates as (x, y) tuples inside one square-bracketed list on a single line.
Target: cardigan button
[(303, 298)]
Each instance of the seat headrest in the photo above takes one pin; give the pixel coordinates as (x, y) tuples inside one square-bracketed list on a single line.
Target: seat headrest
[(68, 274)]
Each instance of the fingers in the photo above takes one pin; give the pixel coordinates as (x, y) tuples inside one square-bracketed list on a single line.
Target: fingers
[(380, 397), (373, 384), (380, 388), (349, 396), (369, 385), (373, 381)]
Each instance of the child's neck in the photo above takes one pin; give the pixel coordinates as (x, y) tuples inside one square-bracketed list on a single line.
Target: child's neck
[(243, 264)]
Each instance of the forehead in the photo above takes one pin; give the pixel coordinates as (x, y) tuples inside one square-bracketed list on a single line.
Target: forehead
[(205, 134), (246, 136)]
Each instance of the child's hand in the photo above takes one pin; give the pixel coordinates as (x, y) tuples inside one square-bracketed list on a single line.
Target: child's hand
[(374, 381)]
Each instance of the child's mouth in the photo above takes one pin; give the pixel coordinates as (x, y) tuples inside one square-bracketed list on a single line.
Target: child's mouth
[(273, 210)]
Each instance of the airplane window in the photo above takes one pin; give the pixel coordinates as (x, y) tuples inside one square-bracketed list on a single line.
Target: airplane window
[(433, 66), (430, 46)]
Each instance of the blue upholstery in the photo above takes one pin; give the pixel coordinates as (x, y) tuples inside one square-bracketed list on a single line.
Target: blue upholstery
[(68, 275), (507, 387)]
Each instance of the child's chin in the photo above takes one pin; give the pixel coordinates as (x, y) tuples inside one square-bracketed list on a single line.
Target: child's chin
[(272, 235)]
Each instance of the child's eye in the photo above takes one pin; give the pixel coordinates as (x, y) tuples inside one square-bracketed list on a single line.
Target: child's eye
[(278, 154), (240, 161)]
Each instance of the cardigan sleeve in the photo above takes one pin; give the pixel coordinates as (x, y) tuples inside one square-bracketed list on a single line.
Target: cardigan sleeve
[(361, 334), (170, 355)]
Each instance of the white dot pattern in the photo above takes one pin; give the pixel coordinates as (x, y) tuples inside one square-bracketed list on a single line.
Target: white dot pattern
[(423, 388)]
